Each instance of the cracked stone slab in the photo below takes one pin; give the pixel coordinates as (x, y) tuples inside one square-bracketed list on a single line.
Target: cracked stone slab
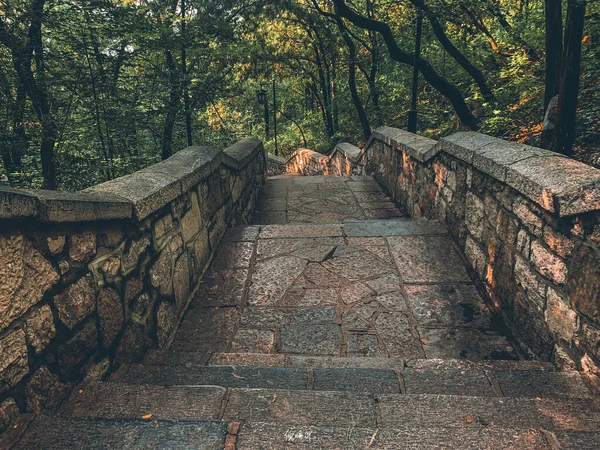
[(311, 339), (123, 401), (301, 407), (315, 249), (450, 343), (427, 259), (312, 298), (385, 283), (300, 231), (356, 380), (358, 266), (247, 359), (396, 227), (345, 362), (354, 293), (447, 382), (224, 376), (272, 278)]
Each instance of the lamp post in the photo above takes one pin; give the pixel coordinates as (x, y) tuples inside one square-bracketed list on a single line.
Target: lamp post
[(412, 114), (262, 100), (275, 118)]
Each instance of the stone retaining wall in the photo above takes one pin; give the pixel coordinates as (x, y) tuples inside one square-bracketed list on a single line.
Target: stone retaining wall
[(528, 221), (90, 280)]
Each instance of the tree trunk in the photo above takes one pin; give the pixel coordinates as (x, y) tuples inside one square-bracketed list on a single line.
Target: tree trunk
[(564, 135), (172, 108), (450, 91), (454, 52), (362, 116), (553, 58)]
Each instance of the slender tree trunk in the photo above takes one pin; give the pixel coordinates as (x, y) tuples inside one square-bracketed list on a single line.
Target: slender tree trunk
[(553, 58), (186, 98), (454, 52), (362, 116), (447, 89), (564, 135), (172, 107)]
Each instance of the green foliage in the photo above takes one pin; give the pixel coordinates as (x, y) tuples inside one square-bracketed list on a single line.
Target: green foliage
[(109, 83)]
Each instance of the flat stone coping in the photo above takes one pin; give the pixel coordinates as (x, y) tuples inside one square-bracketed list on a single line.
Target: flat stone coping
[(132, 196), (352, 152), (558, 184)]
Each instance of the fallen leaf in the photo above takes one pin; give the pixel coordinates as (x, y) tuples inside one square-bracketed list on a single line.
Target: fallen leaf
[(15, 427), (238, 376), (372, 441), (215, 287), (468, 419), (81, 391), (538, 399), (424, 341), (147, 416)]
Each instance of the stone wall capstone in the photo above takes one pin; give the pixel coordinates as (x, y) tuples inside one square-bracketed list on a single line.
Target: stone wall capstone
[(528, 221), (91, 280)]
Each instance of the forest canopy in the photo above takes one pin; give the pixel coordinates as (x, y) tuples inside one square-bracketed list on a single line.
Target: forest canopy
[(94, 89)]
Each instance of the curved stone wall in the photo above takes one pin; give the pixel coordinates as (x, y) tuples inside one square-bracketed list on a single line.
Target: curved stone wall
[(528, 221), (90, 280)]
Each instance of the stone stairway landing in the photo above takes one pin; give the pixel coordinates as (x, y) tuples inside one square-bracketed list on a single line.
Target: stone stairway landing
[(332, 323)]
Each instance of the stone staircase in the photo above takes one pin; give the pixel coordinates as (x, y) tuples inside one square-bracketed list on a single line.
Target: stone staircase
[(332, 329)]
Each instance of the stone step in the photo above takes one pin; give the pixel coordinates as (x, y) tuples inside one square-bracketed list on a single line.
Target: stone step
[(57, 433), (169, 357), (329, 408), (269, 436), (409, 380)]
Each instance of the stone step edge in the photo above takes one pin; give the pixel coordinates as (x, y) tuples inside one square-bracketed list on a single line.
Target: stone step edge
[(165, 357), (234, 429)]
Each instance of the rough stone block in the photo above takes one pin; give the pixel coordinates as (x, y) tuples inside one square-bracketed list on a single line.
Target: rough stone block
[(76, 302), (311, 339), (78, 348), (561, 319), (584, 282), (166, 320), (40, 328), (548, 264), (44, 391), (26, 275), (9, 411), (14, 362), (110, 314), (356, 380)]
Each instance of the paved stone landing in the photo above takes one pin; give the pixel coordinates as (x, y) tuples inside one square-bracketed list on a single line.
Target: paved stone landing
[(293, 199), (362, 288)]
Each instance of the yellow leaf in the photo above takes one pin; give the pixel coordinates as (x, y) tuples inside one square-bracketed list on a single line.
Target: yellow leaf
[(468, 419), (147, 416)]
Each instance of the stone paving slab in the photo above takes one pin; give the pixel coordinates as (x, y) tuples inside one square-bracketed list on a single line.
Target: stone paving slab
[(275, 318), (241, 234), (123, 401), (427, 259), (300, 231), (291, 437), (478, 412), (200, 358), (301, 407), (396, 227), (311, 339), (206, 325), (356, 380), (57, 433), (221, 288), (448, 382), (541, 384), (225, 376)]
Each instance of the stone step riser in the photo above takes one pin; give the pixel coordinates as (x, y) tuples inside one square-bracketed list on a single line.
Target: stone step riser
[(328, 408), (54, 433), (452, 381)]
